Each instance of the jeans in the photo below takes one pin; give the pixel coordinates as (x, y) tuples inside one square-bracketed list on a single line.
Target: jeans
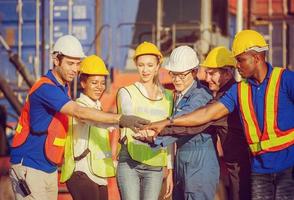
[(137, 181), (275, 186)]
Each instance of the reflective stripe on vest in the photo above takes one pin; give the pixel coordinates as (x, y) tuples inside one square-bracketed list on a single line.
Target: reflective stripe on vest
[(153, 110), (272, 138), (100, 157), (56, 131), (59, 142)]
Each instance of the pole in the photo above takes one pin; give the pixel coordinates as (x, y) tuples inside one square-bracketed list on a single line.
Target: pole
[(37, 56), (43, 46), (18, 64), (248, 14), (206, 10), (10, 96), (239, 27), (285, 30), (20, 23), (159, 22), (270, 31), (51, 24)]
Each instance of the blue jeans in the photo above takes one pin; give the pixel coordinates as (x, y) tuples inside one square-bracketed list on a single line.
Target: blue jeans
[(136, 180), (275, 186)]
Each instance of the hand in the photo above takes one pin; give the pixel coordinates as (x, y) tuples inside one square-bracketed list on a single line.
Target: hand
[(157, 126), (169, 184), (115, 163), (132, 122), (145, 136)]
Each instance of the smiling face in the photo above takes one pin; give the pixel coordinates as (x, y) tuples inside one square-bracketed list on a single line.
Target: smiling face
[(93, 86), (66, 68), (148, 66), (213, 77), (216, 78)]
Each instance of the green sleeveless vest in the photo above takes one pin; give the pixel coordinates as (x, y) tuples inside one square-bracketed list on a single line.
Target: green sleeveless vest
[(99, 161), (153, 110)]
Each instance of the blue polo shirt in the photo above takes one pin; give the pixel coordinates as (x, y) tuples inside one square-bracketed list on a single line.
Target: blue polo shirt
[(44, 103), (269, 162)]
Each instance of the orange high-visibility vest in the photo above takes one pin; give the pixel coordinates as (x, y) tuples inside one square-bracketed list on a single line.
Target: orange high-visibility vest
[(272, 138), (56, 131)]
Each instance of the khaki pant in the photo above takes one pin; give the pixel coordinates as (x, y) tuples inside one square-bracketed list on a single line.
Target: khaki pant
[(43, 185)]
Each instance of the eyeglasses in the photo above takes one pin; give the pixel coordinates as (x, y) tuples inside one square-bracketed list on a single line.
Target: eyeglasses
[(181, 75)]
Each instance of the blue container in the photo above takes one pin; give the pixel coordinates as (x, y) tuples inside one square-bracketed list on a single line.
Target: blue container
[(83, 27)]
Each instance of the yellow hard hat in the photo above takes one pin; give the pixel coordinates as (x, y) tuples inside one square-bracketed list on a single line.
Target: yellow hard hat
[(219, 57), (146, 48), (93, 65), (248, 40)]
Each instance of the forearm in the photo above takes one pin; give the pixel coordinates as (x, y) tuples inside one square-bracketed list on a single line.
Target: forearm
[(97, 116), (195, 118), (90, 114), (182, 131), (192, 130), (201, 116)]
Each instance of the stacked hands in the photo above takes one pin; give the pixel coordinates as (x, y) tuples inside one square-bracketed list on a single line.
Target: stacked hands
[(143, 129), (149, 132)]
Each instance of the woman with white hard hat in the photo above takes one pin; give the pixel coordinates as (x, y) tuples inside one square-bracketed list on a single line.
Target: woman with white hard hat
[(140, 167)]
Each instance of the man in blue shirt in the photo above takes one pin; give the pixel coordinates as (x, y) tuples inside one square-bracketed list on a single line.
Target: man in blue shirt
[(40, 135), (267, 118)]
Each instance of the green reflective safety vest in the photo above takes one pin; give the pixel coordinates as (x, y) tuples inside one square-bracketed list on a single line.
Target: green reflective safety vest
[(153, 110), (99, 158)]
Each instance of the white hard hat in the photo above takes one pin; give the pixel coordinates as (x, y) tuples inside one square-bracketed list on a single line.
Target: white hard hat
[(182, 58), (69, 45)]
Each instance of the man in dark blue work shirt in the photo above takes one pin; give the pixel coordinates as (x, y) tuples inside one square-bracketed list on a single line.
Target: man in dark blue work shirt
[(38, 144), (265, 101)]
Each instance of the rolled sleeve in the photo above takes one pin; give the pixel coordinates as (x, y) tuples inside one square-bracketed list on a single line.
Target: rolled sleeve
[(230, 98), (52, 96)]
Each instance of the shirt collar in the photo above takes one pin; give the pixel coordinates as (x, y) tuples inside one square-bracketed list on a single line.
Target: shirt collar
[(268, 74), (90, 102), (181, 94), (51, 76)]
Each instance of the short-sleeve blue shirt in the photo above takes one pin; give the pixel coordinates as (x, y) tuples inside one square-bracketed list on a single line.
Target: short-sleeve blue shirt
[(44, 103), (269, 162)]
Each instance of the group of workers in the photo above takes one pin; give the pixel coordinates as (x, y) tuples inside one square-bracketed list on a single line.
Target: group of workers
[(196, 137)]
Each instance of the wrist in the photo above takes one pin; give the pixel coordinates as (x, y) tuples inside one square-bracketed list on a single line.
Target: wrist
[(169, 121), (118, 118)]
